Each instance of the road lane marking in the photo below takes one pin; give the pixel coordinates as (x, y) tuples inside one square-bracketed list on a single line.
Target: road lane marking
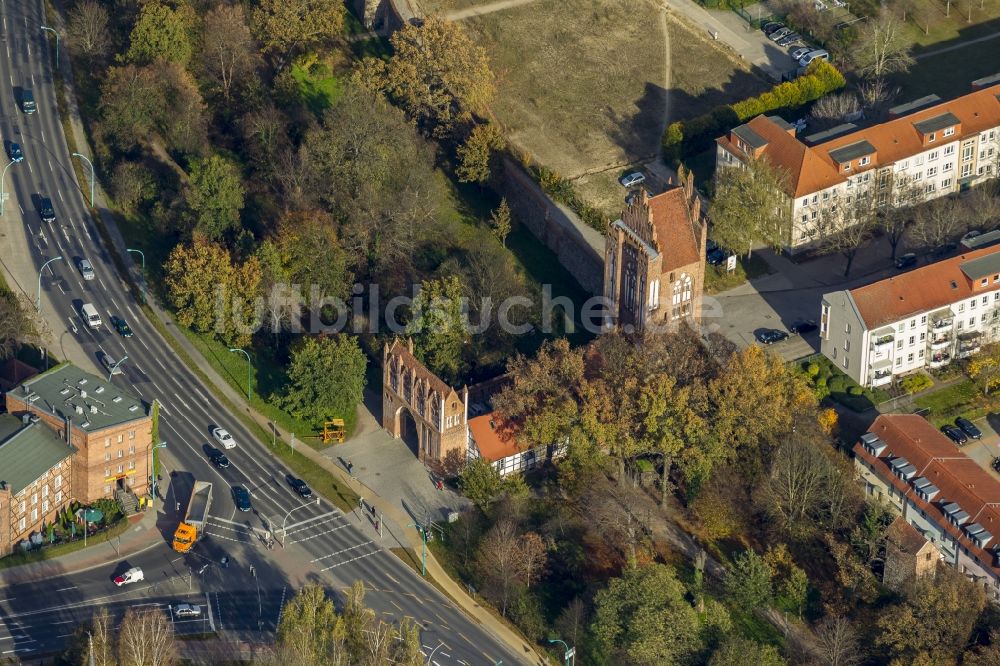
[(63, 589), (323, 557), (353, 559), (314, 536)]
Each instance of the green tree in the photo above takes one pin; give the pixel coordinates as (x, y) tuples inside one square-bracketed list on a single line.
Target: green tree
[(132, 100), (285, 27), (311, 632), (481, 482), (644, 618), (161, 33), (326, 378), (750, 206), (196, 273), (311, 253), (500, 222), (738, 651), (438, 327), (749, 581), (984, 368), (475, 155), (215, 197)]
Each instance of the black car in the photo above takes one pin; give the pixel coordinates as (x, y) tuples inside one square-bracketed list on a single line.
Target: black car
[(122, 327), (788, 40), (46, 211), (768, 336), (944, 250), (241, 497), (907, 260), (218, 458), (803, 327), (14, 152), (299, 486), (772, 26), (954, 434), (716, 256), (996, 463), (969, 428)]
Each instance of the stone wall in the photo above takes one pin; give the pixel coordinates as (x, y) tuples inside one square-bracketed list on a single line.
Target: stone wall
[(579, 248)]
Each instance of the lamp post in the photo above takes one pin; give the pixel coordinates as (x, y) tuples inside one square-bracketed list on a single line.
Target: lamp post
[(114, 367), (93, 178), (423, 556), (249, 368), (569, 653), (141, 256), (3, 176), (152, 471), (57, 41), (285, 519), (38, 294)]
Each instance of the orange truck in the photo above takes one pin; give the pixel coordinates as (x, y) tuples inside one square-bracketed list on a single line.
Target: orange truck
[(193, 525)]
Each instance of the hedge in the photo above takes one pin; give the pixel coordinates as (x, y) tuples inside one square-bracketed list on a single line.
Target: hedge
[(685, 138)]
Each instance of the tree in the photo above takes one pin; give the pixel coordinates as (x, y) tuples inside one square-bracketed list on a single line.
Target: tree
[(481, 482), (284, 27), (882, 47), (644, 618), (311, 253), (181, 121), (673, 421), (310, 631), (836, 643), (835, 108), (132, 185), (508, 559), (19, 323), (227, 49), (326, 378), (215, 196), (438, 326), (984, 368), (897, 215), (101, 646), (934, 620), (146, 638), (161, 33), (738, 651), (131, 102), (475, 155), (198, 276), (749, 581), (500, 222), (88, 30), (984, 655), (750, 206), (437, 74), (846, 226), (936, 222)]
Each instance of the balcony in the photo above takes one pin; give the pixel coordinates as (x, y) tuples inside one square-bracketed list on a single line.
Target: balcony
[(940, 341), (943, 318), (881, 378), (882, 341), (939, 360)]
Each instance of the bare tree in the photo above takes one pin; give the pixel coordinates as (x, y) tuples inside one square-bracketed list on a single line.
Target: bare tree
[(835, 108), (882, 48), (897, 212), (876, 95), (982, 206), (509, 559), (18, 323), (836, 643), (146, 638), (847, 225), (227, 50), (938, 221), (88, 30), (101, 646)]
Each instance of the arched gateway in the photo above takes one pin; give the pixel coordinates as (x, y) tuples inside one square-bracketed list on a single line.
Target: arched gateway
[(438, 412)]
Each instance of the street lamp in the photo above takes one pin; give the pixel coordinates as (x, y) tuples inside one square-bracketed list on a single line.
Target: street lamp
[(569, 654), (249, 368), (285, 519), (423, 556), (3, 197), (38, 294), (152, 471), (141, 256), (114, 367), (92, 176), (57, 42)]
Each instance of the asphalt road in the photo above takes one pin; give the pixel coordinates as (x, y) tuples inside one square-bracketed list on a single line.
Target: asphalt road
[(322, 545)]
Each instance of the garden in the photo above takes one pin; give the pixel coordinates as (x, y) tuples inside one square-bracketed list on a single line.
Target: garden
[(827, 381), (105, 521)]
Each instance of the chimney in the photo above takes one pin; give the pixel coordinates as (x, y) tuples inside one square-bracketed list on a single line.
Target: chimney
[(26, 418)]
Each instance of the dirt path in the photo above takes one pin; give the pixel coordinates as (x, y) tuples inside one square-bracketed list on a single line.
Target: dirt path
[(485, 9)]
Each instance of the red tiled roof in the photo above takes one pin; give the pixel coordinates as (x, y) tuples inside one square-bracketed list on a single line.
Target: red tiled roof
[(811, 169), (666, 221), (959, 478), (920, 290), (492, 445), (905, 536)]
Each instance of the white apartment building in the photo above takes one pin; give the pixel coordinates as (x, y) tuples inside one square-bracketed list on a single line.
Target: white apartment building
[(927, 149), (926, 317), (904, 462)]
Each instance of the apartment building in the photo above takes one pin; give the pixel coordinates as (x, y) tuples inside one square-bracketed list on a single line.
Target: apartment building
[(946, 496), (928, 148), (35, 479), (926, 317), (109, 428)]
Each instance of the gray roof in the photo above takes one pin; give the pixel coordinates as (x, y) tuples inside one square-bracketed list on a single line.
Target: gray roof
[(986, 81), (907, 107), (981, 267), (750, 137), (852, 152), (90, 401), (820, 137), (946, 119), (982, 240), (27, 451)]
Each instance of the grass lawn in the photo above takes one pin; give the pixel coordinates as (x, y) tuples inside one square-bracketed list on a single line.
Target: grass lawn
[(318, 86), (949, 74), (718, 279), (960, 399), (930, 28)]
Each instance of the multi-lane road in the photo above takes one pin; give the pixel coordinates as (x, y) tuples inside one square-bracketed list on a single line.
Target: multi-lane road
[(323, 545)]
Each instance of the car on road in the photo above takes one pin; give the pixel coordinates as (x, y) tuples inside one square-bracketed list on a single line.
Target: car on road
[(218, 458), (954, 434), (86, 269), (969, 428), (90, 315), (299, 486), (969, 235), (187, 610), (905, 261), (28, 102), (133, 575), (632, 179), (223, 437), (46, 211), (803, 327), (122, 327), (14, 152), (241, 497), (800, 51), (110, 364), (779, 34), (768, 336)]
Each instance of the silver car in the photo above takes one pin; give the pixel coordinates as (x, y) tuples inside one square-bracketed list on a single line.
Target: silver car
[(86, 269), (187, 610)]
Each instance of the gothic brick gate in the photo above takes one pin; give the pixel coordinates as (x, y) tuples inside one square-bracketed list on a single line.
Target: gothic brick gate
[(413, 397)]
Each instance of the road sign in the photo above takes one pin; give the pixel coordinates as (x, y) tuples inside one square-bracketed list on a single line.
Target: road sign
[(731, 263), (570, 653)]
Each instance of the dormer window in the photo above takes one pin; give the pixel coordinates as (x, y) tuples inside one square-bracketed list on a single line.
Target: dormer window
[(932, 137), (864, 161), (847, 167), (948, 131)]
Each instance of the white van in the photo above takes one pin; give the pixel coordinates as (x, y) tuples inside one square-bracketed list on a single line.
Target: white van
[(89, 314), (819, 54)]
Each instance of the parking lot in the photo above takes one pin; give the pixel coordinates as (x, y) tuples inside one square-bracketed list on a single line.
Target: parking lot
[(984, 450)]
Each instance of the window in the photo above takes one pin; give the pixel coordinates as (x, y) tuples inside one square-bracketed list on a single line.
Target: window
[(899, 361), (34, 499), (22, 524), (107, 442), (909, 358), (899, 344), (930, 188), (846, 362), (931, 172), (58, 498), (131, 464), (864, 161), (45, 507), (918, 175), (968, 152), (120, 453), (107, 457), (131, 434), (131, 449), (45, 492), (912, 340), (931, 138), (985, 299), (966, 170), (923, 320), (120, 469), (961, 307), (972, 304), (923, 336), (847, 345), (58, 482), (948, 166), (847, 328), (805, 202), (107, 472), (121, 438), (918, 160), (34, 514), (22, 507), (948, 131), (920, 354)]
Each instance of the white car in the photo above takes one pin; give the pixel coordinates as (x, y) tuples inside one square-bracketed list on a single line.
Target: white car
[(818, 54), (632, 179), (133, 575), (187, 610), (223, 437), (86, 269)]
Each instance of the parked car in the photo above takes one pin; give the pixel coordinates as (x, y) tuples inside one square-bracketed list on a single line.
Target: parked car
[(772, 26), (800, 51), (907, 260), (779, 33), (954, 434), (803, 327), (768, 336), (187, 610), (299, 486), (122, 327), (45, 210), (632, 179), (14, 152), (86, 269), (819, 54), (223, 437), (133, 575), (969, 428), (969, 235), (218, 458), (241, 497), (790, 40), (717, 256)]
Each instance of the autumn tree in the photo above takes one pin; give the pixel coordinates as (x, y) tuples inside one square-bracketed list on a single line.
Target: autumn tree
[(507, 560), (737, 651), (311, 253), (437, 74), (286, 27), (132, 185), (326, 378), (162, 33), (215, 196), (87, 28), (146, 638), (477, 152), (882, 48), (438, 327), (984, 368), (481, 482), (750, 206), (500, 222), (227, 48)]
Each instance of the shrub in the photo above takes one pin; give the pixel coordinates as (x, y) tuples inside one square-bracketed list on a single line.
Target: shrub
[(855, 390), (916, 383), (820, 382), (837, 385), (812, 369)]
